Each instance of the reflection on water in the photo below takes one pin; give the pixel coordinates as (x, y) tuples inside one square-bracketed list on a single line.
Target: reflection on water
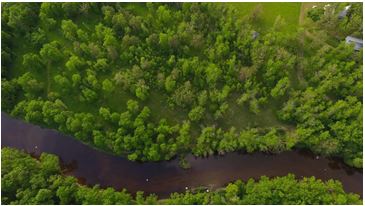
[(92, 167)]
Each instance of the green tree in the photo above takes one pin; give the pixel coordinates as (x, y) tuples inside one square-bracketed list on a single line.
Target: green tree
[(132, 106), (196, 113), (280, 88), (107, 86), (104, 113), (170, 84), (33, 61), (213, 73), (51, 52), (141, 90), (69, 29), (101, 65), (21, 17), (315, 13), (30, 85), (231, 193), (49, 164), (75, 63)]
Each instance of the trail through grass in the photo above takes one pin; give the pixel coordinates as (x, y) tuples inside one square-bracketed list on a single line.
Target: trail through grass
[(289, 11)]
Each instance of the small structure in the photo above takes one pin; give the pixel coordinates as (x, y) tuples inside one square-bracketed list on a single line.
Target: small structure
[(356, 41), (343, 13), (255, 34)]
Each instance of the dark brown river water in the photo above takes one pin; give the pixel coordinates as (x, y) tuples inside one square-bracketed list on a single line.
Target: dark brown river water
[(92, 167)]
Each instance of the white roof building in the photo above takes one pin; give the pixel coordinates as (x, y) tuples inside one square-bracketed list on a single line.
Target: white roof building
[(343, 13), (356, 41)]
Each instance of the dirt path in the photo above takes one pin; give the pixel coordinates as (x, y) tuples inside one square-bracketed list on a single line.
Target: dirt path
[(305, 6), (299, 73), (303, 11)]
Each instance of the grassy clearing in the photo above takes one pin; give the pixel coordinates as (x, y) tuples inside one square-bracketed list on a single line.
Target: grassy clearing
[(289, 11), (137, 8), (240, 117)]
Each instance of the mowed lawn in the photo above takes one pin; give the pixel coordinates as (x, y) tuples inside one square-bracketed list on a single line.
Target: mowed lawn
[(287, 10)]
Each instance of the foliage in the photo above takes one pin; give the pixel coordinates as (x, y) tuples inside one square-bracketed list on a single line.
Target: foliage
[(328, 113), (26, 180), (276, 191), (327, 17), (163, 80), (315, 13)]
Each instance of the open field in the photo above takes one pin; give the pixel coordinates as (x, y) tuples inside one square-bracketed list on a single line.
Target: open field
[(289, 11)]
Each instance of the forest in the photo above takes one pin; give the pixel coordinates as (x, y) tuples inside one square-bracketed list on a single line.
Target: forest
[(156, 80), (26, 180)]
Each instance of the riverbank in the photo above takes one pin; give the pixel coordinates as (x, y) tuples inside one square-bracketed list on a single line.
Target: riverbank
[(43, 183), (96, 167)]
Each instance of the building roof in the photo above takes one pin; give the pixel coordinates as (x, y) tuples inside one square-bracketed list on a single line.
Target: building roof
[(356, 41), (343, 13)]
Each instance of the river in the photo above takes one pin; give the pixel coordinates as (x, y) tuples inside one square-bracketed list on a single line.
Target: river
[(92, 167)]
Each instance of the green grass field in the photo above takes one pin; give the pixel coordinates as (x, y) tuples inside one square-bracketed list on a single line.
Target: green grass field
[(289, 11)]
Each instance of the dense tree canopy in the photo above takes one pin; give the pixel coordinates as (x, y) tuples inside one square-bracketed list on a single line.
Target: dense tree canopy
[(152, 81), (26, 180)]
